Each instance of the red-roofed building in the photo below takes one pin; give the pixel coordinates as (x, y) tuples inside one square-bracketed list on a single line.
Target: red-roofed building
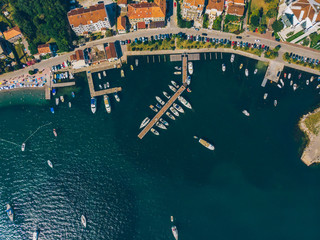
[(236, 7), (192, 9), (90, 19), (78, 59), (141, 25), (13, 34), (122, 24), (215, 8), (111, 52)]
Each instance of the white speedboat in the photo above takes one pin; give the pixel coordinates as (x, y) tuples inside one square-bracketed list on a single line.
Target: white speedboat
[(246, 72), (174, 232), (57, 101), (281, 81), (164, 122), (307, 82), (104, 73), (177, 73), (232, 58), (69, 104), (291, 82), (175, 84), (205, 143), (160, 125), (255, 71), (188, 81), (184, 102), (223, 67), (93, 105), (61, 98), (23, 147), (100, 86), (275, 103), (107, 103), (318, 86), (160, 100), (190, 68), (99, 75), (295, 86), (10, 212), (289, 75), (116, 96), (105, 86), (171, 218), (50, 163), (144, 122), (153, 108), (35, 235), (170, 116), (177, 68), (175, 112), (155, 132), (166, 95), (245, 112), (108, 84), (172, 88), (177, 107), (265, 96), (279, 86), (311, 79), (83, 221)]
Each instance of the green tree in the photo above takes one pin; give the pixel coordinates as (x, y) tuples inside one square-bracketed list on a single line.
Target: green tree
[(255, 20), (277, 26), (205, 21), (272, 12)]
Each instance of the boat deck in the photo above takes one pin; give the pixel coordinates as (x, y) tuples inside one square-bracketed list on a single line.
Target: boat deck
[(94, 93)]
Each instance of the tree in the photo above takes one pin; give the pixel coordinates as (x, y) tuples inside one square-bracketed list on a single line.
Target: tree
[(205, 21), (272, 12), (255, 20), (277, 26)]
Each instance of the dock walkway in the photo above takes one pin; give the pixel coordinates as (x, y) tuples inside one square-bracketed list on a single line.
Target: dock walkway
[(65, 84)]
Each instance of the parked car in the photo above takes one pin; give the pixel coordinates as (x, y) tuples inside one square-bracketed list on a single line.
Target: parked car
[(239, 37)]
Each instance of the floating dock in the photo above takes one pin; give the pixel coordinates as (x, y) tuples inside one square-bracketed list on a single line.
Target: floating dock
[(272, 72)]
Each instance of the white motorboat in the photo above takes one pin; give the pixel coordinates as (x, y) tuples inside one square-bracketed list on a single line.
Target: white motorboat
[(188, 81), (104, 73), (172, 88), (105, 86), (93, 105), (175, 112), (57, 101), (177, 68), (144, 122), (155, 132), (100, 86), (282, 82), (318, 86), (107, 103), (50, 164), (232, 58), (311, 79), (116, 96), (307, 82), (265, 96), (166, 95), (223, 67), (177, 73), (246, 72), (83, 221), (174, 232), (61, 98), (177, 107), (23, 147), (10, 212), (171, 218), (291, 82), (205, 143), (170, 116), (245, 112), (289, 75), (108, 84), (164, 122), (160, 100), (184, 102), (160, 125), (99, 75), (279, 86), (275, 103), (255, 71), (295, 86), (190, 68), (69, 104), (137, 62), (175, 84)]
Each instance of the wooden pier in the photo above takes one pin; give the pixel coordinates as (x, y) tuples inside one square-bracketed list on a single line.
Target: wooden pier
[(65, 84), (184, 68), (47, 92)]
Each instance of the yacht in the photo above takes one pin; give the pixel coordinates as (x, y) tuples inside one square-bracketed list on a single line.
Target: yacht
[(55, 132), (158, 105), (35, 235), (177, 107), (166, 95), (122, 73), (23, 147), (246, 72), (291, 82), (241, 65), (99, 75), (177, 73), (205, 143), (281, 81), (289, 75), (144, 122), (155, 132), (57, 101), (160, 100), (177, 68), (174, 232), (295, 86), (232, 58), (172, 88), (50, 163), (164, 122), (93, 105), (116, 96), (190, 68), (62, 98), (184, 102), (275, 102), (175, 84), (137, 62), (170, 116), (255, 71), (307, 82), (83, 221), (175, 112), (107, 103), (160, 125), (104, 73), (311, 79), (10, 212), (188, 81), (265, 96), (223, 67), (245, 112), (153, 108), (131, 67)]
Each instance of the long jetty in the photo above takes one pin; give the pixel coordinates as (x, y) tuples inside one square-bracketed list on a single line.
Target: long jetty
[(168, 104)]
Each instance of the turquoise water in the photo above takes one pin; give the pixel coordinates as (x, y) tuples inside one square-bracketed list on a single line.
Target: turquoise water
[(253, 186)]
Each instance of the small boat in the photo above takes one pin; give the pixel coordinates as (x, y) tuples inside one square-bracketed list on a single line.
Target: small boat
[(144, 122), (265, 96), (300, 75), (245, 112), (155, 132), (10, 212), (50, 163), (93, 105), (105, 86), (172, 88), (100, 86), (177, 107), (285, 75), (188, 81), (160, 125), (52, 110), (83, 221), (122, 73), (35, 235), (57, 101), (175, 112), (275, 102), (190, 68), (295, 86), (108, 84), (171, 218), (170, 116), (69, 104), (131, 67), (184, 102), (177, 68), (289, 75), (279, 86), (166, 95), (55, 132), (246, 72), (318, 86), (73, 94), (104, 73), (160, 100), (158, 105), (62, 98), (54, 92), (137, 62), (153, 108), (99, 75), (281, 81), (107, 103), (291, 82), (232, 58), (174, 232), (311, 79), (177, 73), (116, 96), (205, 143), (164, 122), (241, 65), (223, 67), (175, 84), (189, 90), (307, 82), (255, 71)]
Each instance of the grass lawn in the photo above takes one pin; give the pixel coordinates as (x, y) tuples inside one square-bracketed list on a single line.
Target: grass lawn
[(20, 51), (298, 34), (256, 4), (315, 38)]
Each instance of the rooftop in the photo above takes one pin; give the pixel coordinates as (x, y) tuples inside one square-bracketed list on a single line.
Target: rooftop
[(144, 10), (215, 4), (11, 33)]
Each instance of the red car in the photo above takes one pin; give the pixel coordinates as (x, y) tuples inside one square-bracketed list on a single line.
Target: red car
[(174, 4)]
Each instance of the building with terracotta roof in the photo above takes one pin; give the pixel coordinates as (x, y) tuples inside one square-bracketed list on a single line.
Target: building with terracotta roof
[(121, 24), (235, 7), (147, 12), (90, 19), (214, 8), (111, 52), (78, 59), (13, 34), (122, 3), (44, 49), (192, 9)]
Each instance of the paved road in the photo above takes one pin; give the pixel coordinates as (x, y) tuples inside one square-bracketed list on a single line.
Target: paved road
[(172, 29)]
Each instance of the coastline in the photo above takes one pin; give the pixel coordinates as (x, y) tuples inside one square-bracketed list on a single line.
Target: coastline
[(311, 153)]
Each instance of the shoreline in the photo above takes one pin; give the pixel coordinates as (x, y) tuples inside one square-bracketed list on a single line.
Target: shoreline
[(311, 154)]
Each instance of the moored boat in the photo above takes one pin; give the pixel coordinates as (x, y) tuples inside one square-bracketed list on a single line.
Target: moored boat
[(300, 75), (241, 65), (289, 75), (175, 112), (10, 212), (190, 68), (177, 107), (122, 73), (246, 72), (177, 68), (164, 122), (307, 82), (172, 88), (318, 86), (93, 105), (188, 81), (52, 110), (291, 82), (23, 147), (175, 232), (137, 62), (50, 163), (265, 96), (73, 94), (275, 103), (55, 132), (189, 90), (166, 95), (255, 71), (205, 143), (155, 132), (232, 58), (105, 86), (108, 84), (311, 79), (116, 96), (284, 75), (62, 98), (100, 86), (131, 67), (177, 73), (99, 75), (223, 67), (184, 102), (158, 105), (160, 100), (170, 116), (295, 86), (54, 92), (245, 112), (279, 86), (104, 73), (107, 103), (153, 108), (83, 221), (69, 104), (160, 125), (175, 84), (57, 101), (144, 122), (282, 82)]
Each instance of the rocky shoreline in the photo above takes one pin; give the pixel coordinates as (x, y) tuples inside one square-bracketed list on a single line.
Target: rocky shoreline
[(311, 153)]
